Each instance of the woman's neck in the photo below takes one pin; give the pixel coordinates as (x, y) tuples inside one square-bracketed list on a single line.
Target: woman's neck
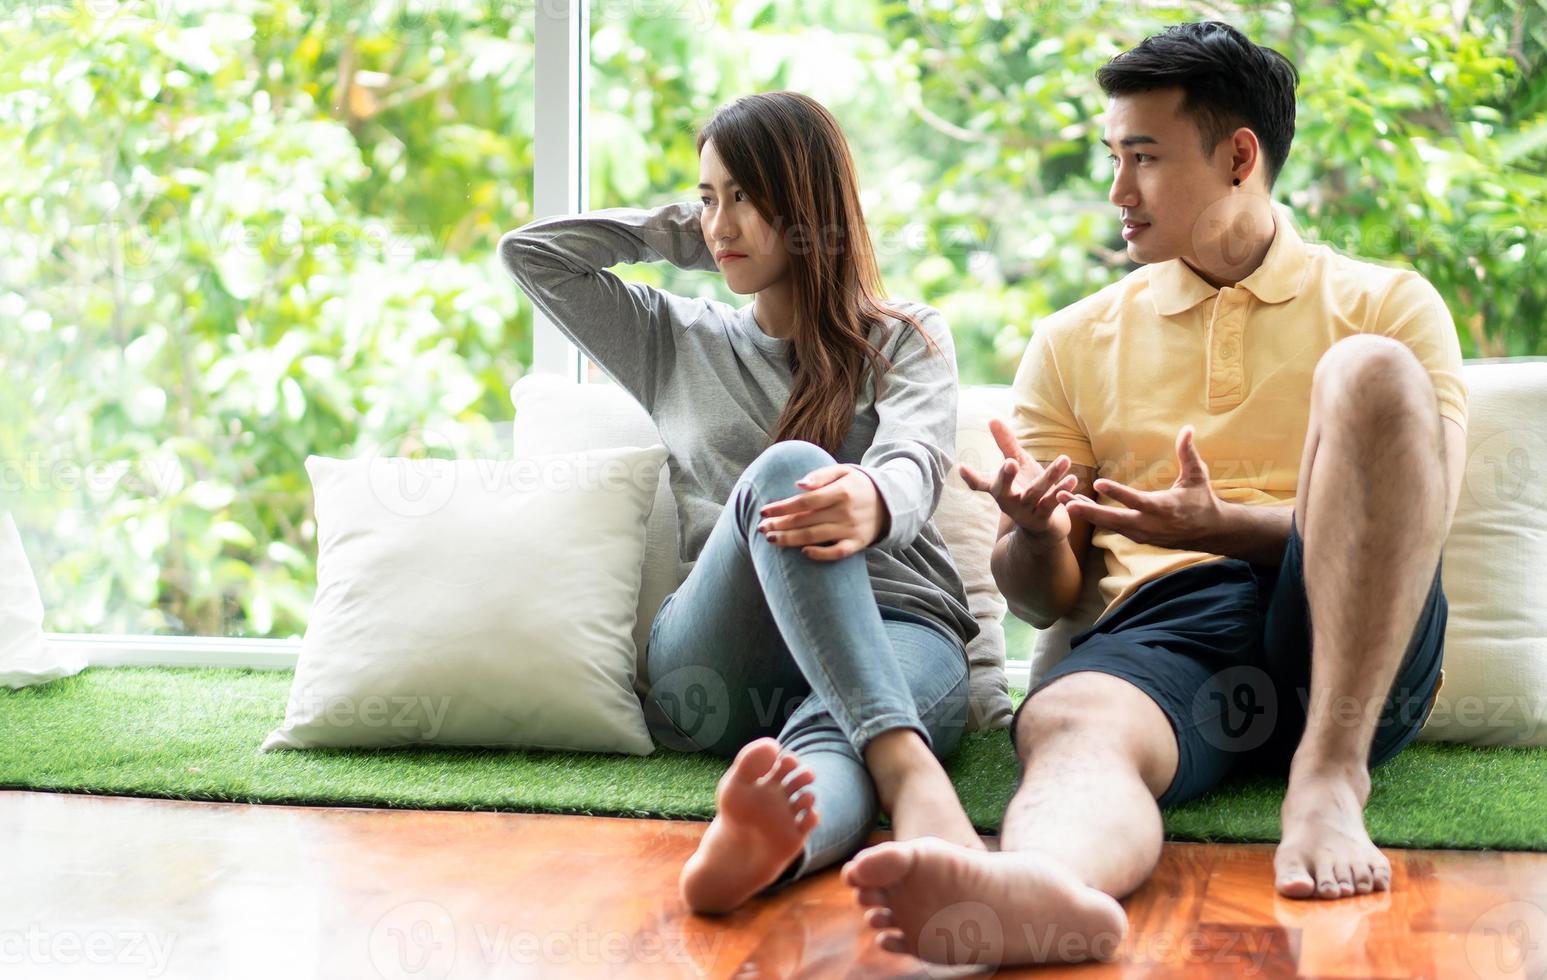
[(774, 310)]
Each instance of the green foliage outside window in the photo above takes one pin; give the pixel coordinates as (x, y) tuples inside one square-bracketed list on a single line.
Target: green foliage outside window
[(233, 234)]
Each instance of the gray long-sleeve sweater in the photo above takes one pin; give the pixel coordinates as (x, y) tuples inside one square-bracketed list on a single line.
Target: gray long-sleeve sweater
[(715, 385)]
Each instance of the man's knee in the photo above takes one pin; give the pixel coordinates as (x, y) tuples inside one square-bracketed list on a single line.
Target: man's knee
[(1371, 380), (1100, 713), (776, 469)]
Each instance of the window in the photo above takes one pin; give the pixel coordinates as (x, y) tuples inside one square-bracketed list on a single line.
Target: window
[(233, 236)]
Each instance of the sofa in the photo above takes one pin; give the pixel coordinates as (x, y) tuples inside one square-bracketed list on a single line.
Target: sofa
[(1495, 559)]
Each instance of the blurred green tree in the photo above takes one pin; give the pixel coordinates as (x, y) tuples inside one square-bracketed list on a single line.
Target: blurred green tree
[(236, 234)]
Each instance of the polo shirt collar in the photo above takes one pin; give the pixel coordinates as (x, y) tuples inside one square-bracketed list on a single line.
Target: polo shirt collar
[(1176, 288)]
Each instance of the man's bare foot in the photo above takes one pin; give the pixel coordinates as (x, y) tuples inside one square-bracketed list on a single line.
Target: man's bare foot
[(1325, 851), (950, 904), (925, 804), (763, 814)]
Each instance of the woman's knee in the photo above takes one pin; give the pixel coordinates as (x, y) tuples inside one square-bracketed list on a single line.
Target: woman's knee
[(776, 470)]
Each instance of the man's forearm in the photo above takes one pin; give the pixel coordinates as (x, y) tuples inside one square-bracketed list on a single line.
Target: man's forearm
[(1256, 534), (1039, 578)]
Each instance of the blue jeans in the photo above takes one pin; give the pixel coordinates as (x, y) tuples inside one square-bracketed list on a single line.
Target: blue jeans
[(762, 641)]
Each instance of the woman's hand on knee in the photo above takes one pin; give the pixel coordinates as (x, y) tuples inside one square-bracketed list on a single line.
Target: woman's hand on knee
[(840, 514)]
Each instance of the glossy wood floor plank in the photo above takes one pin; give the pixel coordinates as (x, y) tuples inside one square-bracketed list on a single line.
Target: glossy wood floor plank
[(113, 887)]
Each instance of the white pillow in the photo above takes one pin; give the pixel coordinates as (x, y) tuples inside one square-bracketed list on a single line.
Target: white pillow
[(475, 602), (969, 522), (1495, 690), (26, 656), (558, 416)]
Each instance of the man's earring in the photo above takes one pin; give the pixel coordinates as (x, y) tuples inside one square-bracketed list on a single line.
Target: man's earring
[(1237, 182)]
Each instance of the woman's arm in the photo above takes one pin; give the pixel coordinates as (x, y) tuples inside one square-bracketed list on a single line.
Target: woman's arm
[(886, 499), (627, 328), (915, 436)]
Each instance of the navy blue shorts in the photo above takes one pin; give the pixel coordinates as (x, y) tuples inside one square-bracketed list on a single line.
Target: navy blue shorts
[(1225, 649)]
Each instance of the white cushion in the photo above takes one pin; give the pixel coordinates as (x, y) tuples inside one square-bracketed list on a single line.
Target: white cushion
[(969, 522), (475, 602), (26, 656), (554, 415), (558, 416), (1495, 573)]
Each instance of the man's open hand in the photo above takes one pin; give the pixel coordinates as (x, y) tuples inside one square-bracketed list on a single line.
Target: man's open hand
[(1025, 490), (1183, 516)]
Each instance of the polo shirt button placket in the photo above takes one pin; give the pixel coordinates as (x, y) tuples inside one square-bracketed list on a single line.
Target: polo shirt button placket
[(1227, 379)]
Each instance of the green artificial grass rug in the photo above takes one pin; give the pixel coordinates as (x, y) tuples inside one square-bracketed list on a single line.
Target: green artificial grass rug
[(193, 735)]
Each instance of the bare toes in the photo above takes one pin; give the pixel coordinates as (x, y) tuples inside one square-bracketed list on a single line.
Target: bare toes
[(1294, 881), (1364, 879), (754, 759), (785, 765), (892, 941), (1344, 874), (873, 897), (879, 918), (799, 778), (1326, 885)]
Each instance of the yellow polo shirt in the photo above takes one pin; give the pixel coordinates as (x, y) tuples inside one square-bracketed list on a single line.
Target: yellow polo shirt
[(1109, 380)]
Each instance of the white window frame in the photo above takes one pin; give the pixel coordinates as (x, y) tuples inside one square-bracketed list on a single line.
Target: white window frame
[(562, 70)]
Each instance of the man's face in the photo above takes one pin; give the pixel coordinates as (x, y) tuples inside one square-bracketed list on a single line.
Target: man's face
[(1174, 198)]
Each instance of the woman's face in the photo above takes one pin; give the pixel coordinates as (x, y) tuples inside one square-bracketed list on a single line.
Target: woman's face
[(750, 253)]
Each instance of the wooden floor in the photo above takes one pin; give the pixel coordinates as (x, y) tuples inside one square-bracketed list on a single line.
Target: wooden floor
[(111, 887)]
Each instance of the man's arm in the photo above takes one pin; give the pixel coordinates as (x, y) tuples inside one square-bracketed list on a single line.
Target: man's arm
[(1039, 574), (1256, 533), (1455, 465)]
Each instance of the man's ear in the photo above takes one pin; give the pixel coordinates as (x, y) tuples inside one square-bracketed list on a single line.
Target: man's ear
[(1245, 154)]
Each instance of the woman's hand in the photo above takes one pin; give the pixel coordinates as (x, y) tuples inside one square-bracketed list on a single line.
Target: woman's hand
[(840, 514)]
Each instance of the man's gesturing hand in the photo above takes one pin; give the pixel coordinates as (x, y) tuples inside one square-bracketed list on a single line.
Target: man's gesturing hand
[(1026, 491), (1185, 515)]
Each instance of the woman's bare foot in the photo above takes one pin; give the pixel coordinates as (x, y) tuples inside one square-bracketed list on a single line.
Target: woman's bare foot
[(763, 814), (950, 904), (1325, 851), (925, 804)]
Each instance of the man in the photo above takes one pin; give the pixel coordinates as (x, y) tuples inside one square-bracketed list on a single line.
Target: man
[(1264, 439)]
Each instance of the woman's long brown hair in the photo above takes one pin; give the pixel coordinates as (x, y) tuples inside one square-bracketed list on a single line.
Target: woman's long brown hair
[(789, 157)]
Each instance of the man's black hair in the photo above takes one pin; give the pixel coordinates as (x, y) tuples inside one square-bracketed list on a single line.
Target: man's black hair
[(1228, 82)]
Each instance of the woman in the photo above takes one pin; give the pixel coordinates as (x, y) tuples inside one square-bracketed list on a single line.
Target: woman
[(809, 432)]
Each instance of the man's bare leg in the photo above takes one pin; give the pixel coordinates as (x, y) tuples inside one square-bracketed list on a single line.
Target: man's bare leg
[(1081, 831), (1371, 510)]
